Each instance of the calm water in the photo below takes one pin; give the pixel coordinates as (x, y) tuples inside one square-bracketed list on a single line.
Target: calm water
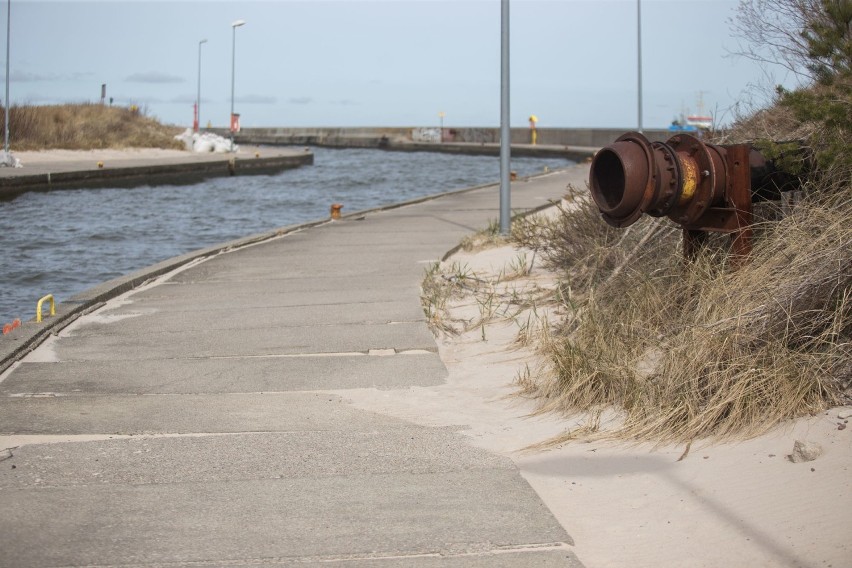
[(63, 242)]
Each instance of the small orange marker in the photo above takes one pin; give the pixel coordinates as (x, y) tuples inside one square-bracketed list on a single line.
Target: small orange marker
[(335, 210)]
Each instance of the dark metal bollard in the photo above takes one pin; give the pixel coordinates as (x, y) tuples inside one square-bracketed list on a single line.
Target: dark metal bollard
[(702, 187)]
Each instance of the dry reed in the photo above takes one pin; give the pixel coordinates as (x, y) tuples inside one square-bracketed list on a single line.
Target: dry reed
[(85, 127), (695, 350)]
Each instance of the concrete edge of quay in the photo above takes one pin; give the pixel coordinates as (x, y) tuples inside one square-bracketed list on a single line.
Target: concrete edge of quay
[(187, 171), (31, 334)]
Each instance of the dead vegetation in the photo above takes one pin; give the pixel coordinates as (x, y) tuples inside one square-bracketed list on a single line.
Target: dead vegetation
[(85, 127), (674, 351)]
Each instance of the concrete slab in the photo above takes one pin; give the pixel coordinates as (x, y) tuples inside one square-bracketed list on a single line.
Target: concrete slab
[(213, 315), (84, 345), (388, 515), (538, 556), (181, 414), (224, 375), (278, 283), (242, 296), (375, 446)]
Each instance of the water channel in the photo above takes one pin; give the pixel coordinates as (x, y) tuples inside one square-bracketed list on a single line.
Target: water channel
[(63, 242)]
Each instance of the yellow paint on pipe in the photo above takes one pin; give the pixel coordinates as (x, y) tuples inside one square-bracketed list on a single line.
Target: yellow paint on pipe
[(689, 173)]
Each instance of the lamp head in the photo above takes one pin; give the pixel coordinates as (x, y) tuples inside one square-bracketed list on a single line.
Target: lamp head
[(238, 23)]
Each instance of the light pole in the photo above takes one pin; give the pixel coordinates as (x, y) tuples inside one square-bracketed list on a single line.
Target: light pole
[(505, 131), (234, 27), (639, 60), (441, 115), (198, 96), (6, 102)]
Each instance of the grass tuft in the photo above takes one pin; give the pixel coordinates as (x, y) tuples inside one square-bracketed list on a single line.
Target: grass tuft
[(85, 127)]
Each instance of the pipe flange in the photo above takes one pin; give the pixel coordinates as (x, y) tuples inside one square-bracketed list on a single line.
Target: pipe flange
[(668, 187), (623, 179), (698, 179)]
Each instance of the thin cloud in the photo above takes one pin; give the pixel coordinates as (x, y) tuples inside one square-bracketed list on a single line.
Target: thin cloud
[(26, 77), (17, 76), (255, 99), (153, 77), (181, 99), (301, 100)]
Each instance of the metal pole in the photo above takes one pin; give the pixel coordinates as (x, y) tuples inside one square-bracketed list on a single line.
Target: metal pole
[(8, 46), (505, 131), (234, 27), (233, 72), (639, 59), (198, 96)]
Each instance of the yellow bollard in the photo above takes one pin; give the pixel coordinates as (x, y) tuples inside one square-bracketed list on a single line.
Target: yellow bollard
[(533, 134), (100, 165), (52, 307), (335, 210)]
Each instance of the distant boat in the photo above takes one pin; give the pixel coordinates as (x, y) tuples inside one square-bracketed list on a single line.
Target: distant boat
[(701, 122)]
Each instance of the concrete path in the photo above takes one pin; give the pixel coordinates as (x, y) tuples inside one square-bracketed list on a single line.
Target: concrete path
[(186, 423)]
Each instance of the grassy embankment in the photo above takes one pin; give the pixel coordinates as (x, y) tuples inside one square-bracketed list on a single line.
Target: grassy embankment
[(85, 127)]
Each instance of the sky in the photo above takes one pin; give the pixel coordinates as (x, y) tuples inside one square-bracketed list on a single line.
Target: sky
[(386, 62)]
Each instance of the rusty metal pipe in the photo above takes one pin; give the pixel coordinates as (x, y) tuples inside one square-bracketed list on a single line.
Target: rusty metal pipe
[(682, 178)]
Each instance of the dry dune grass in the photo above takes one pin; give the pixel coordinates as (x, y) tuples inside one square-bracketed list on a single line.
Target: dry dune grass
[(85, 127), (681, 351)]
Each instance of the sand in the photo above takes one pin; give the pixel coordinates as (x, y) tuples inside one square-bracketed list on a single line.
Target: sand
[(33, 158), (743, 504)]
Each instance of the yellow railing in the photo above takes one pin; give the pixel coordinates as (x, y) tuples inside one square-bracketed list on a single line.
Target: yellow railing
[(52, 307)]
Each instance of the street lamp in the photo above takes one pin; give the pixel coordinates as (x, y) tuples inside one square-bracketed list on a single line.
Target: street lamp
[(198, 96), (234, 27)]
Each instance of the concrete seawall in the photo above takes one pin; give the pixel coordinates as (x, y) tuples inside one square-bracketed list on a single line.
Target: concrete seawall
[(434, 139), (370, 136), (189, 168)]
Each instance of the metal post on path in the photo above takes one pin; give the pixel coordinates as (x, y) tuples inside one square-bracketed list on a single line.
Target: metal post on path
[(505, 131)]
